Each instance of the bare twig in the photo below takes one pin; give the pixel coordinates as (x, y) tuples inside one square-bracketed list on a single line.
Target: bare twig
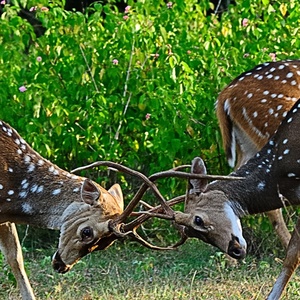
[(89, 69), (125, 90)]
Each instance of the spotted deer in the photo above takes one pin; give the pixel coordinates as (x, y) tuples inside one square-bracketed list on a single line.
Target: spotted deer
[(250, 110), (270, 180), (36, 192)]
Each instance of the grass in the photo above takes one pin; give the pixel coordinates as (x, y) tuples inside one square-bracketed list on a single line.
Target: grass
[(126, 271)]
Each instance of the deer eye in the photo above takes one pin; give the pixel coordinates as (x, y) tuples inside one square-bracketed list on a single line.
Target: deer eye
[(87, 234), (198, 221)]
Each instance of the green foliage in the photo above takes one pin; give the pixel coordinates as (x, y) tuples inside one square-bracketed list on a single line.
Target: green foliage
[(136, 88)]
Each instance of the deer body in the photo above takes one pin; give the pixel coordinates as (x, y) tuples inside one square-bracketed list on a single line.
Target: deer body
[(250, 110), (252, 106), (36, 192), (271, 180)]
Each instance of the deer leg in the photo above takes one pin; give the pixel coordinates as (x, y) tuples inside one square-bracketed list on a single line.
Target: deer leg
[(277, 221), (290, 264), (11, 248)]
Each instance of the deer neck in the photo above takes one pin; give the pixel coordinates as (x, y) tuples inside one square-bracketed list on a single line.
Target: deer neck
[(32, 189), (259, 191)]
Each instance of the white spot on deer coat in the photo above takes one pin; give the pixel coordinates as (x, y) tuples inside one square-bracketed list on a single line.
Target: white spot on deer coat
[(56, 192), (40, 162), (40, 189), (23, 194), (10, 192), (27, 208), (31, 168), (27, 159), (34, 188), (261, 185)]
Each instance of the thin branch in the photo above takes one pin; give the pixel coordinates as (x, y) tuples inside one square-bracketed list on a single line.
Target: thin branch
[(89, 69), (125, 90), (218, 6), (126, 87)]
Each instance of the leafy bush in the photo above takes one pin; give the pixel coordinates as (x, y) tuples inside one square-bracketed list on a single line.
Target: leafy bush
[(137, 87)]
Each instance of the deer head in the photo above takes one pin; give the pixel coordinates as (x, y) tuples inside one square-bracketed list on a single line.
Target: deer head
[(209, 216), (87, 222)]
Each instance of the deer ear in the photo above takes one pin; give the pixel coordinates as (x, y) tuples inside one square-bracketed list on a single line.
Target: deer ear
[(116, 191), (89, 192), (198, 185)]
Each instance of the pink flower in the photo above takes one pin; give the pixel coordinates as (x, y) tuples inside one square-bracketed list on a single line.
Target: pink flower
[(169, 4), (115, 62), (126, 18), (39, 58), (3, 2), (155, 55), (22, 89), (147, 117), (245, 22), (127, 9), (273, 56), (33, 8), (44, 8)]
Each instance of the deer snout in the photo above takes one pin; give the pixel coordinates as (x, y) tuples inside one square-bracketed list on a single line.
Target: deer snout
[(235, 249), (58, 265)]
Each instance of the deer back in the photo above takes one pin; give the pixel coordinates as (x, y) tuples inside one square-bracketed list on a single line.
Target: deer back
[(253, 105)]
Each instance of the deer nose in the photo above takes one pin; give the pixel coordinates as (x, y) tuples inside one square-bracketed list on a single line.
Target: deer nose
[(58, 265), (235, 250)]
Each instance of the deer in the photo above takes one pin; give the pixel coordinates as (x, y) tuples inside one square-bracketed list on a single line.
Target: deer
[(270, 180), (36, 192), (249, 111)]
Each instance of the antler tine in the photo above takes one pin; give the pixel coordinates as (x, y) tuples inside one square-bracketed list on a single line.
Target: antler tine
[(185, 175), (131, 227), (144, 216), (139, 239), (147, 183)]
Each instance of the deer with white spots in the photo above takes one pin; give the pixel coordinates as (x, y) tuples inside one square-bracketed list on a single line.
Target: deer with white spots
[(270, 180), (250, 110), (36, 192)]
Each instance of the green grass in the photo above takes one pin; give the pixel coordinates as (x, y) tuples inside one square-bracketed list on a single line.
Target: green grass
[(126, 271)]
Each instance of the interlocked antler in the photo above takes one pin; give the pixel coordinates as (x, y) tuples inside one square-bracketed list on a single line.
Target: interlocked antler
[(117, 225)]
